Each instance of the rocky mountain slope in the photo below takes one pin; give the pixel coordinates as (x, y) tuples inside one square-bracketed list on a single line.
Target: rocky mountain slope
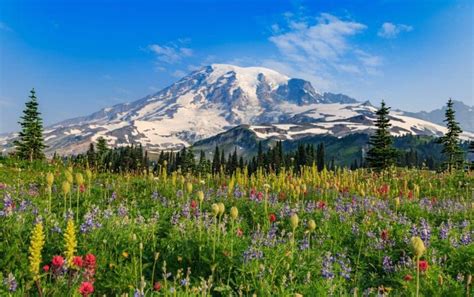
[(219, 97)]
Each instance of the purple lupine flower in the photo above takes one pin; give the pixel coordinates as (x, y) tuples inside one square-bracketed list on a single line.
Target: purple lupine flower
[(113, 197), (175, 218), (237, 192), (122, 210), (8, 204), (327, 269), (425, 232), (10, 282), (23, 205), (465, 238), (345, 266), (387, 264), (69, 215), (38, 219), (304, 244), (413, 230), (310, 206), (186, 211), (443, 230), (184, 282), (56, 228), (251, 254)]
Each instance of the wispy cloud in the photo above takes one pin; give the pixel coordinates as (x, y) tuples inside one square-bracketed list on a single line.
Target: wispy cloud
[(320, 48), (171, 54), (390, 30)]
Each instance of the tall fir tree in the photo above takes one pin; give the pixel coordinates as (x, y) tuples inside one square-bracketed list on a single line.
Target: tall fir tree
[(320, 159), (216, 161), (381, 154), (450, 141), (30, 142)]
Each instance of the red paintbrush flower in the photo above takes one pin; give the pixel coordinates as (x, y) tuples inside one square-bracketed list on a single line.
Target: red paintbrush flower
[(86, 289), (193, 204), (239, 232), (89, 260), (46, 268), (408, 277), (384, 234), (58, 261), (77, 261), (321, 204), (157, 286), (272, 217), (423, 265)]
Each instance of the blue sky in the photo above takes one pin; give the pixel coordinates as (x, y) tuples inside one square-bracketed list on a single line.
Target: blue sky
[(84, 55)]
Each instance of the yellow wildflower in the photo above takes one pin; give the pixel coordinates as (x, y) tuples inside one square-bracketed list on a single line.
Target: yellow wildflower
[(234, 212), (70, 241), (49, 179), (66, 187), (36, 246), (418, 246), (79, 179), (294, 220)]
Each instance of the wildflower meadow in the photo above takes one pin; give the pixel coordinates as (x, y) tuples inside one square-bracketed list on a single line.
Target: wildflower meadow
[(70, 231)]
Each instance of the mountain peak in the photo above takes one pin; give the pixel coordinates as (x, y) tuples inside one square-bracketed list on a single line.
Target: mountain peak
[(218, 97)]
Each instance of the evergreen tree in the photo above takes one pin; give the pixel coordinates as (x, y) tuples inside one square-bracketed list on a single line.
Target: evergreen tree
[(91, 155), (223, 163), (450, 141), (30, 142), (216, 162), (101, 147), (260, 157), (320, 159), (381, 154)]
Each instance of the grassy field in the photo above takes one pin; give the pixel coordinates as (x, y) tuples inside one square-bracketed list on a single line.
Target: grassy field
[(72, 232)]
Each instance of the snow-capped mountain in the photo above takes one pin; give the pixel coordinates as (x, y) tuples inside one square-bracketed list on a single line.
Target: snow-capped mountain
[(464, 115), (216, 98)]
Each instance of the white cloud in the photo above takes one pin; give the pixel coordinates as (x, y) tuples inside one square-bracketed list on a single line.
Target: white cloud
[(170, 54), (391, 30), (178, 73), (321, 49)]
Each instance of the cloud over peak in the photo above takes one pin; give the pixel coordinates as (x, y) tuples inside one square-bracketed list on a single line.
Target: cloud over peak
[(390, 30), (320, 48), (170, 54)]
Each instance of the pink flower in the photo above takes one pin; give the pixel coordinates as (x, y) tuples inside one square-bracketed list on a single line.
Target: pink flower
[(46, 268), (239, 232)]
